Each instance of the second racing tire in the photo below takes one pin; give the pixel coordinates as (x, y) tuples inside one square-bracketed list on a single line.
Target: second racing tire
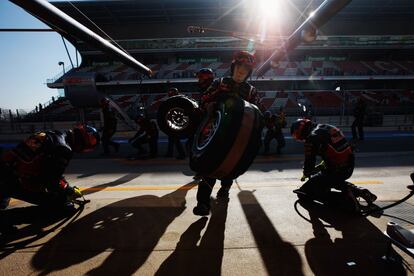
[(178, 116)]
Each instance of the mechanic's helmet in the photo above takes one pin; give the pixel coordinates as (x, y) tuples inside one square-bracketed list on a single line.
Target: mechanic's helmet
[(267, 114), (243, 58), (205, 77), (301, 129), (172, 91), (85, 138)]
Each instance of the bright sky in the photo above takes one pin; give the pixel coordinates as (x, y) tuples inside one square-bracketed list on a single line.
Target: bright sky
[(27, 59)]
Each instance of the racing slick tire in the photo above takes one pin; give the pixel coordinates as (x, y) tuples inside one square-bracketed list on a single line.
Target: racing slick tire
[(227, 140)]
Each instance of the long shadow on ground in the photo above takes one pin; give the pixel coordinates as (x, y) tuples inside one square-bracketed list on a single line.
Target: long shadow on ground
[(207, 257), (122, 180), (37, 221), (358, 252), (279, 256), (127, 231)]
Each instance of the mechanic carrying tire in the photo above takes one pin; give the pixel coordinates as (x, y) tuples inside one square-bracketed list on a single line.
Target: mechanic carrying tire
[(229, 136)]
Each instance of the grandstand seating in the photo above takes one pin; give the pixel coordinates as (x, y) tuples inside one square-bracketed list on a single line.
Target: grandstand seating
[(60, 105), (323, 99), (409, 95), (284, 68), (290, 103), (407, 65), (267, 102), (384, 67), (320, 101)]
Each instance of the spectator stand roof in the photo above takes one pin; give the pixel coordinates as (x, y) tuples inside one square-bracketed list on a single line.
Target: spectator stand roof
[(125, 19)]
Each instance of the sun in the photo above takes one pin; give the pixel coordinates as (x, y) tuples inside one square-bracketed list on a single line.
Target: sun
[(270, 15)]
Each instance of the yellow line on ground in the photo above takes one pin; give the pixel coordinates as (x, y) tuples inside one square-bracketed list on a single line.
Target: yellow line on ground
[(188, 187), (366, 182), (179, 162), (139, 188), (14, 202)]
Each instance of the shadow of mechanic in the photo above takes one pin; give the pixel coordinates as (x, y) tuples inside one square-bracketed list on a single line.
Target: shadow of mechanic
[(279, 257), (206, 258), (38, 222), (357, 252), (128, 230)]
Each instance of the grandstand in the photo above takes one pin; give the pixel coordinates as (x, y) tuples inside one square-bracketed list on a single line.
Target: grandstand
[(363, 50)]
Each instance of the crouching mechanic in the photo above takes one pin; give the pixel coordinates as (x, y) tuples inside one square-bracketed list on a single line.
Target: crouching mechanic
[(33, 171), (337, 163), (236, 85)]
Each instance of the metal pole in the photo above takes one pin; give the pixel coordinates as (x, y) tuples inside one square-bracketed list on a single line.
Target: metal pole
[(67, 51), (66, 25), (77, 61), (317, 19)]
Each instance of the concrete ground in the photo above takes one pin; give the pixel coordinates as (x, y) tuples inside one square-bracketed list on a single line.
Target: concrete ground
[(140, 221)]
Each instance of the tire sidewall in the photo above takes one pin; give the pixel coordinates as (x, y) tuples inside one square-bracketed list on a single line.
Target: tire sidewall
[(205, 160)]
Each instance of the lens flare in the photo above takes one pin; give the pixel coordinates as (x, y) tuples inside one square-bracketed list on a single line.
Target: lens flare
[(269, 15)]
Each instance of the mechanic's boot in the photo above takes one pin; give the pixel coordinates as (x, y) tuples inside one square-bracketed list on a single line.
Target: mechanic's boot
[(68, 207), (301, 194), (201, 210), (223, 192), (367, 196)]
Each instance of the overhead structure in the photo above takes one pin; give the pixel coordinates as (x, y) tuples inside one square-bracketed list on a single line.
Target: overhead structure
[(70, 28), (306, 32)]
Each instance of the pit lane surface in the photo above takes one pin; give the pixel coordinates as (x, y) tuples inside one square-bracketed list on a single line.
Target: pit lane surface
[(140, 222)]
